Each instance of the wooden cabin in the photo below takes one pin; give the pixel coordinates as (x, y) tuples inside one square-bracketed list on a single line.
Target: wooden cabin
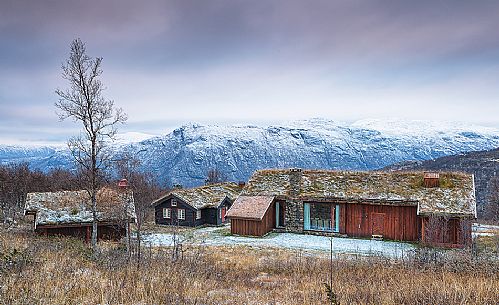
[(69, 213), (433, 208), (204, 205), (252, 215)]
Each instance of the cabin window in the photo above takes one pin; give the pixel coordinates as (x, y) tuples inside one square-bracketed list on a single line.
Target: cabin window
[(198, 214), (174, 202), (321, 217), (167, 213), (181, 214)]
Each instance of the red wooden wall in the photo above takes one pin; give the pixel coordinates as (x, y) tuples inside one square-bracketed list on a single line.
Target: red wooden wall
[(254, 227), (453, 232), (392, 222)]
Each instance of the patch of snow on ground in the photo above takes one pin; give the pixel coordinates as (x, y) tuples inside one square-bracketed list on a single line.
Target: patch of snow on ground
[(158, 239), (210, 237), (318, 243), (484, 230)]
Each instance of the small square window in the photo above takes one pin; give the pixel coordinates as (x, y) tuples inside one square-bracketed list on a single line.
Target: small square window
[(181, 214), (198, 214), (167, 213), (174, 202)]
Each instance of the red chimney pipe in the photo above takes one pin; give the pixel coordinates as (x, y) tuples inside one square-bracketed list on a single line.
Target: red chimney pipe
[(123, 183), (431, 179)]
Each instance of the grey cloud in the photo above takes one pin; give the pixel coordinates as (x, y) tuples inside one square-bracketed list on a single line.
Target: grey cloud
[(235, 56), (200, 32)]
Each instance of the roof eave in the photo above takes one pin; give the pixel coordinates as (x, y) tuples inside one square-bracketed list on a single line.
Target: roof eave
[(160, 199), (450, 214), (245, 218)]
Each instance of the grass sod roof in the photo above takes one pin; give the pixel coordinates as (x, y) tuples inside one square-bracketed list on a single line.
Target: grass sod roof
[(250, 207), (70, 207), (455, 196), (206, 196)]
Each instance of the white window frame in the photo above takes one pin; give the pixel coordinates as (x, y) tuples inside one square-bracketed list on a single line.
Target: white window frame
[(220, 213), (174, 202), (198, 214), (181, 214), (167, 213)]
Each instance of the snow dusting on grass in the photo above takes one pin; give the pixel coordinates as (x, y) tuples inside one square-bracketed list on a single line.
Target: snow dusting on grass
[(219, 236), (214, 237), (484, 230)]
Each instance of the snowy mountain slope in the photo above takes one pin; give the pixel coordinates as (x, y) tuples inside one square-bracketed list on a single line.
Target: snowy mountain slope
[(185, 155)]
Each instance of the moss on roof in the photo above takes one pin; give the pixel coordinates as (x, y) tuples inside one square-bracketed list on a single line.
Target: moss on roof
[(206, 196), (454, 196), (65, 207)]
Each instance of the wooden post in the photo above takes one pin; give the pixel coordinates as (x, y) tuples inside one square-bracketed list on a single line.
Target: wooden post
[(87, 235), (422, 230)]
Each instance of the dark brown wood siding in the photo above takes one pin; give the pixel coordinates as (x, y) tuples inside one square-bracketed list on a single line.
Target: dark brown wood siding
[(212, 215), (104, 232), (392, 222), (190, 214), (254, 227)]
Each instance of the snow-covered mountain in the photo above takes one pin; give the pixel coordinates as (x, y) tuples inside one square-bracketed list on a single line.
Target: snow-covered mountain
[(185, 155)]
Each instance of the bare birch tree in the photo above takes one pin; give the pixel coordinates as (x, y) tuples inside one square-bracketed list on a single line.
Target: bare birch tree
[(84, 103), (215, 176)]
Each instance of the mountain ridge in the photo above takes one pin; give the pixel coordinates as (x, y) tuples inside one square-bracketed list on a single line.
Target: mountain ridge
[(185, 155)]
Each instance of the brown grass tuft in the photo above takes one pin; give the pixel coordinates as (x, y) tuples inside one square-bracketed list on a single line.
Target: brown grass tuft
[(64, 271)]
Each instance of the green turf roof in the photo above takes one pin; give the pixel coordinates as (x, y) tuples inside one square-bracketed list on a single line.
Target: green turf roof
[(455, 196)]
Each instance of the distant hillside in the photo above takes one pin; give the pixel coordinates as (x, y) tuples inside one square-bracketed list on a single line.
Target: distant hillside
[(185, 155), (483, 164)]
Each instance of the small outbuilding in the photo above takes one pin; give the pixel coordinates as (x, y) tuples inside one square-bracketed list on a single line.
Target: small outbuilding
[(192, 207), (69, 213), (252, 215)]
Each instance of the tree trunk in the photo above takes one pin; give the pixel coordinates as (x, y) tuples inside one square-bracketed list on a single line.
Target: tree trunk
[(93, 177), (128, 239), (94, 220), (138, 245)]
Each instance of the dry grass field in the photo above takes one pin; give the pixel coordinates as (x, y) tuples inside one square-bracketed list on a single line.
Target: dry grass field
[(37, 270)]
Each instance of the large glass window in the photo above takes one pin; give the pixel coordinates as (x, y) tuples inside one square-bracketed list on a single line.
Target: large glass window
[(321, 217)]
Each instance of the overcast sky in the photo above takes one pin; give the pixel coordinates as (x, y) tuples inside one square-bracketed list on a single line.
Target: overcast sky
[(171, 62)]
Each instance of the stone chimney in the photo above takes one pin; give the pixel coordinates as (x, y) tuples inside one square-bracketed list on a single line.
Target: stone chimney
[(431, 179), (295, 182)]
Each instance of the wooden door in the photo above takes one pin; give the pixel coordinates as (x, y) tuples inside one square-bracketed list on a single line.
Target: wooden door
[(223, 214), (280, 210), (378, 223)]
